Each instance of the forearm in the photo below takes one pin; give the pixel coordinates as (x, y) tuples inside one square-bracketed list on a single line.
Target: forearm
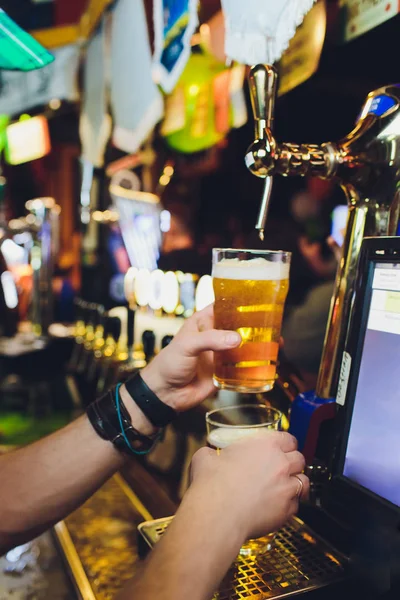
[(42, 483), (194, 554)]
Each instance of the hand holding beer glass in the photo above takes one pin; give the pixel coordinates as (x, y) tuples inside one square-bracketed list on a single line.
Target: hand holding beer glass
[(250, 288), (233, 423)]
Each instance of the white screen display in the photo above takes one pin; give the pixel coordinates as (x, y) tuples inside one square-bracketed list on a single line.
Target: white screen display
[(373, 449)]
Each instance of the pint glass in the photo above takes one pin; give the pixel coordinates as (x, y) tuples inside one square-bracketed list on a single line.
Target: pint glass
[(250, 288), (230, 424)]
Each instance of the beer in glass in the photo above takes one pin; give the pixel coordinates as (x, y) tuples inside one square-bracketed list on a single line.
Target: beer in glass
[(250, 288), (231, 424)]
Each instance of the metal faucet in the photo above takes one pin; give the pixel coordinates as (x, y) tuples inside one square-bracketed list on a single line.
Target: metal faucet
[(44, 213), (42, 222), (365, 163)]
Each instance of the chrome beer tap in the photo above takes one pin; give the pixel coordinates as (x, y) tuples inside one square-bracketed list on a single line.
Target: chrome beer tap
[(365, 163), (263, 82), (42, 222), (44, 217)]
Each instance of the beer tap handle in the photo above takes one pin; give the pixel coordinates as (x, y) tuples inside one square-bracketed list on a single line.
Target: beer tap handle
[(263, 84)]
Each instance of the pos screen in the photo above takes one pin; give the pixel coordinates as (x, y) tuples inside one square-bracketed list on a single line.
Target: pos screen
[(372, 456)]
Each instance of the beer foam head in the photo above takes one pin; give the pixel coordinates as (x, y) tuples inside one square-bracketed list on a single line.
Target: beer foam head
[(257, 269), (225, 436)]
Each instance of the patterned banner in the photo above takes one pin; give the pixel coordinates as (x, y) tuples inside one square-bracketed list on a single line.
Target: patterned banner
[(359, 16), (21, 91)]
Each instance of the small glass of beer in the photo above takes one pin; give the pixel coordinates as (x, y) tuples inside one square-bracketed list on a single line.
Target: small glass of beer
[(250, 288), (232, 423)]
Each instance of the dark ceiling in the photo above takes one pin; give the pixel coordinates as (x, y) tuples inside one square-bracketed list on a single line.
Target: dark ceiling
[(33, 15)]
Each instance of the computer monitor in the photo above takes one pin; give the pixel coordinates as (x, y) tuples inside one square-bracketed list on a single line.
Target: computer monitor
[(369, 390)]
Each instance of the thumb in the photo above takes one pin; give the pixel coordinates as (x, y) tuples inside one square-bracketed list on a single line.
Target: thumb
[(213, 339)]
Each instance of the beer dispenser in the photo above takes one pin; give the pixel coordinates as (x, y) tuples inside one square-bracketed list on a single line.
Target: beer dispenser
[(42, 223), (365, 163), (44, 220)]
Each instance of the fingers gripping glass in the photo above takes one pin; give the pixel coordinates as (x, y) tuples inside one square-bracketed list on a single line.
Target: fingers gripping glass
[(250, 289), (231, 424)]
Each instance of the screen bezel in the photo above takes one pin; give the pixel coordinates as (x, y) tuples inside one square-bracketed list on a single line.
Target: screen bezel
[(374, 250)]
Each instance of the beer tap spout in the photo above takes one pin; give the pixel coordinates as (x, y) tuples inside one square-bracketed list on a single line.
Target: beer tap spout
[(263, 212), (265, 157)]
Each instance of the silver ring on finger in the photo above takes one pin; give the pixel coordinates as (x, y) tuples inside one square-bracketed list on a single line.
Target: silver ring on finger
[(300, 486)]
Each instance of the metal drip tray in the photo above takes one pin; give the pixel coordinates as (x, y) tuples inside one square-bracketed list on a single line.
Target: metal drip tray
[(299, 562)]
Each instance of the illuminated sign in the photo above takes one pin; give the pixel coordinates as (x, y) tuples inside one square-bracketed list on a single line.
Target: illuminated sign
[(27, 140)]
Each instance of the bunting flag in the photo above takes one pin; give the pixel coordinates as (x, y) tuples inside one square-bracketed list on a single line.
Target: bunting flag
[(19, 51), (206, 103), (136, 102), (175, 21), (95, 123), (261, 32), (359, 17), (21, 91)]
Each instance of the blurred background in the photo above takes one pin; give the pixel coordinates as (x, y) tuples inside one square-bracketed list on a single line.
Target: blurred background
[(144, 177)]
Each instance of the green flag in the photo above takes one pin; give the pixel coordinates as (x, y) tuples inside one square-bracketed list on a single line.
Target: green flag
[(19, 51)]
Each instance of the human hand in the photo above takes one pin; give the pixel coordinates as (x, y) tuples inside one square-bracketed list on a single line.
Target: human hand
[(181, 374), (253, 482)]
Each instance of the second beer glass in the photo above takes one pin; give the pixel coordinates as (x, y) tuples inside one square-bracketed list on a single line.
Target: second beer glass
[(228, 425), (250, 288)]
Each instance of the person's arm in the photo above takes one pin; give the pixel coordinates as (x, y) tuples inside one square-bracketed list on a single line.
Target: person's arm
[(246, 491), (45, 481), (42, 483)]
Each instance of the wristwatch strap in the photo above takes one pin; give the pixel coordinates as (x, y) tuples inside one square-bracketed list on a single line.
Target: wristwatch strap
[(156, 411), (104, 418)]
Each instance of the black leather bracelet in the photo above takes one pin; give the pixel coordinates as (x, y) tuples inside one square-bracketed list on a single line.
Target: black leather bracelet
[(103, 416), (157, 412)]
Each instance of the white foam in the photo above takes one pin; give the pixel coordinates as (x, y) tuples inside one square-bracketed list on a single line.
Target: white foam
[(256, 269), (223, 437)]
